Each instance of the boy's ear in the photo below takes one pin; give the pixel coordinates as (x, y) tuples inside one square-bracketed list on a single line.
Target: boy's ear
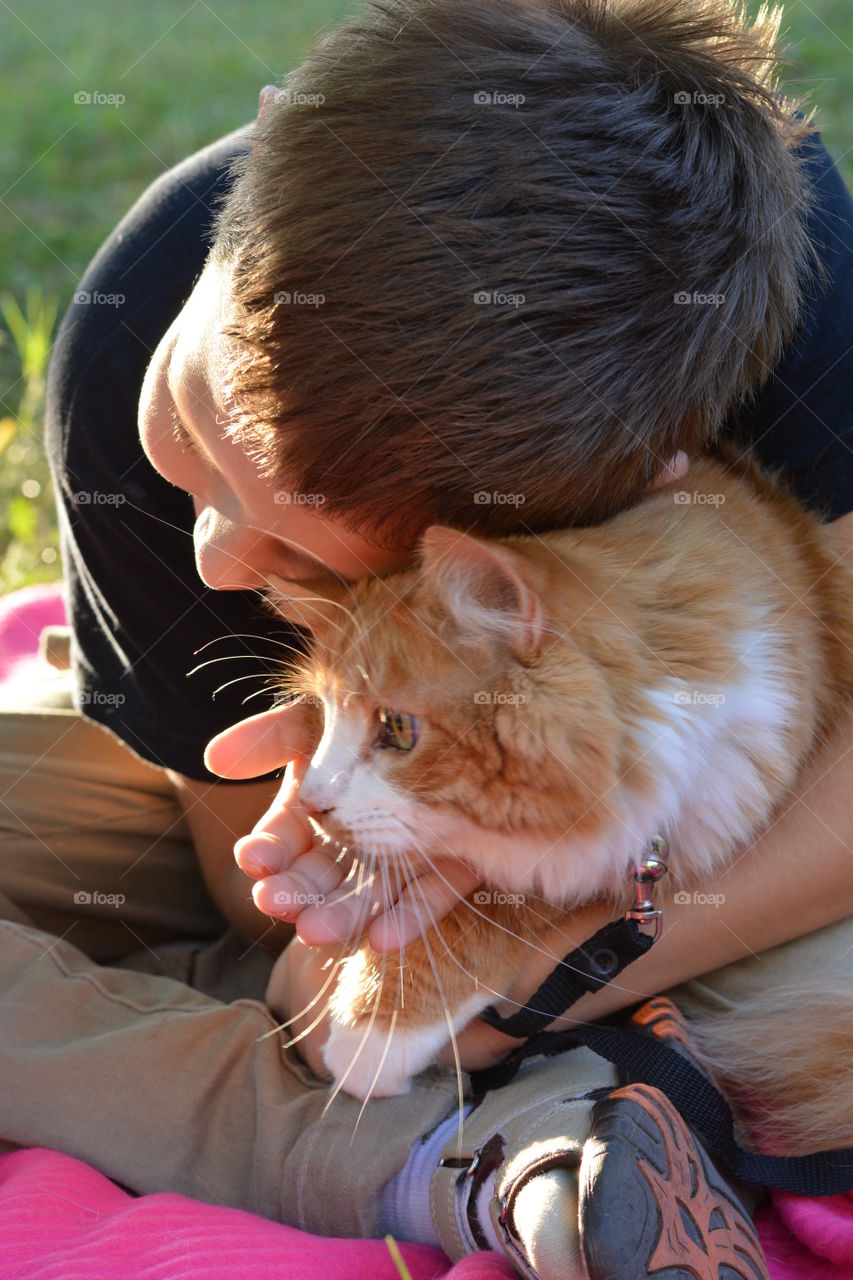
[(485, 585)]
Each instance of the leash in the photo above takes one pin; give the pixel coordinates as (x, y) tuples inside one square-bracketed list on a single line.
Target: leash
[(645, 1058), (599, 960)]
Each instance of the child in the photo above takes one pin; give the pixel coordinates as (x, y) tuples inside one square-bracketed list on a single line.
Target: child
[(481, 248)]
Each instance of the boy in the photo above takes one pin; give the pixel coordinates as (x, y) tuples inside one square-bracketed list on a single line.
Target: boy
[(315, 431)]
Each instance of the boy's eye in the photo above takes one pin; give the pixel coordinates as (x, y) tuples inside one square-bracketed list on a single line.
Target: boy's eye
[(397, 729)]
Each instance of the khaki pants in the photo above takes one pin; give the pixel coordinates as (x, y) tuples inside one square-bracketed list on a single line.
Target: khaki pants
[(167, 1080), (159, 1084)]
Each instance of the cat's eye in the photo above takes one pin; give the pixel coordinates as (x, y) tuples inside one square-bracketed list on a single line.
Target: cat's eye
[(398, 730)]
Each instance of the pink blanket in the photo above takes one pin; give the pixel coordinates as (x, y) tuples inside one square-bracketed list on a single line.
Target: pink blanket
[(23, 615), (61, 1220)]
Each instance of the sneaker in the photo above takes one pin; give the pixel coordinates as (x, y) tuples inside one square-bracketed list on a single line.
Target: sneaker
[(586, 1177)]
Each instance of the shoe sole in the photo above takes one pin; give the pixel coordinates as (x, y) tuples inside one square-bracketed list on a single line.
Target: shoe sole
[(653, 1204)]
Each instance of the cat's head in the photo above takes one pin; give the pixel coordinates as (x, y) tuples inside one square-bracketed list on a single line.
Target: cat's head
[(458, 715)]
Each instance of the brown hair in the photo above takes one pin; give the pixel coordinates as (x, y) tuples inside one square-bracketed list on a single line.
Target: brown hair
[(495, 261)]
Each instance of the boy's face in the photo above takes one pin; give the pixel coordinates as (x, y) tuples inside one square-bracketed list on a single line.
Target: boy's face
[(247, 526)]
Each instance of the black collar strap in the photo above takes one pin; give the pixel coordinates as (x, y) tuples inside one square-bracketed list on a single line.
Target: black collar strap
[(645, 1058), (599, 960), (587, 968)]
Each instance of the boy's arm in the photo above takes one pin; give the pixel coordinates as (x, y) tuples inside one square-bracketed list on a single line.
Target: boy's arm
[(217, 815)]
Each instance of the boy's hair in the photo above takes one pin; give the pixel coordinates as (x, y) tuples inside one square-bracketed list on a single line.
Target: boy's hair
[(495, 261)]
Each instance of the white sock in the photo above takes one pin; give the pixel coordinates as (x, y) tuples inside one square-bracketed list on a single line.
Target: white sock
[(405, 1201)]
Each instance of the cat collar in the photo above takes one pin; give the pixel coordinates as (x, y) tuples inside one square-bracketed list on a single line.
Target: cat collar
[(600, 959)]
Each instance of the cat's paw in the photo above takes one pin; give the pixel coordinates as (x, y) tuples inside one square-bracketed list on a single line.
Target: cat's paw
[(379, 1062)]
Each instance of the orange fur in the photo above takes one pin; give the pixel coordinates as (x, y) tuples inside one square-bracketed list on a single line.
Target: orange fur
[(579, 637)]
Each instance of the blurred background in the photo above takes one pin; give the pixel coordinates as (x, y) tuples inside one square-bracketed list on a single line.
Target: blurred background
[(188, 74)]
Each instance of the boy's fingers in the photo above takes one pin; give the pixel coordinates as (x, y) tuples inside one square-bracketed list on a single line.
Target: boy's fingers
[(261, 744), (282, 834), (423, 903), (345, 914), (305, 884)]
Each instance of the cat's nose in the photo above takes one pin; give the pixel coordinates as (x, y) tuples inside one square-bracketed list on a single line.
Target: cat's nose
[(315, 799), (317, 809)]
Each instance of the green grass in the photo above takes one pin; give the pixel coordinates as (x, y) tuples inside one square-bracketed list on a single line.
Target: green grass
[(189, 71)]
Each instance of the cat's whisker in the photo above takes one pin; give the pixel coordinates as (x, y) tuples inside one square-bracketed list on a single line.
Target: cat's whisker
[(378, 1071), (280, 706), (302, 1012), (248, 635), (296, 603), (434, 925), (456, 1058), (558, 960), (252, 675), (233, 657), (398, 915), (339, 1084)]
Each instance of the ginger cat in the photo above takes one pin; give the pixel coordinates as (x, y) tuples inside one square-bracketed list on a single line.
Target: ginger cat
[(542, 706)]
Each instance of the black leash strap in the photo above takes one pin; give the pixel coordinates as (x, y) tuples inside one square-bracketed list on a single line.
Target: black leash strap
[(646, 1059), (589, 967)]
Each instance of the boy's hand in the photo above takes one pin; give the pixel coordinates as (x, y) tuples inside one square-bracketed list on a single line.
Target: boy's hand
[(298, 993), (296, 879)]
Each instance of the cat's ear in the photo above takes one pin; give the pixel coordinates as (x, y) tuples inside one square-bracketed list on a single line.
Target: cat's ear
[(484, 584)]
